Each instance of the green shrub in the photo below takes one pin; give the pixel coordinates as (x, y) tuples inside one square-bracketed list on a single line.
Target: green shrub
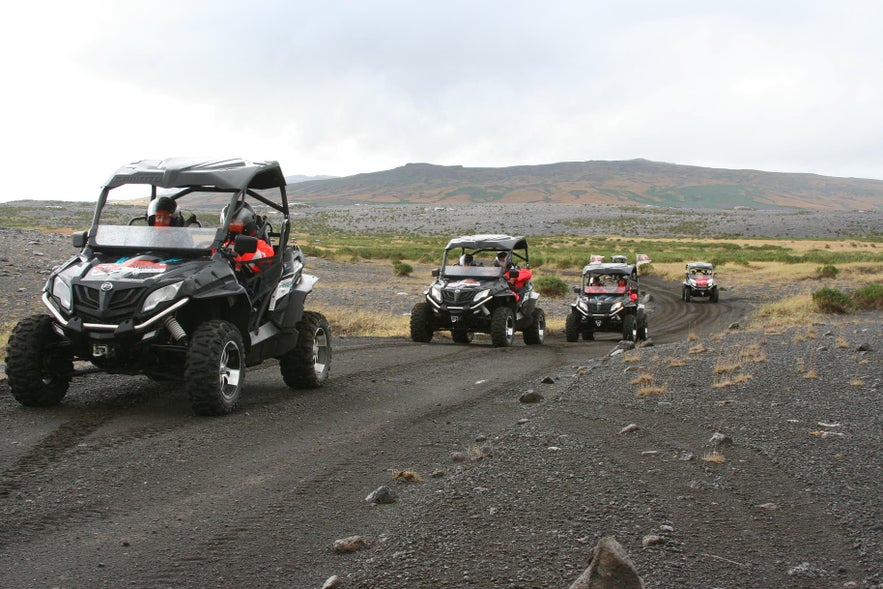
[(831, 300), (827, 271), (401, 268), (551, 286), (869, 297)]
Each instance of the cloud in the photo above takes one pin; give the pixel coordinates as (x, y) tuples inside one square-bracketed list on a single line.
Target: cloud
[(341, 87)]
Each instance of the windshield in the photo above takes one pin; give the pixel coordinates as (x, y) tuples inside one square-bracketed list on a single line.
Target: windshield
[(143, 237), (472, 271), (605, 283)]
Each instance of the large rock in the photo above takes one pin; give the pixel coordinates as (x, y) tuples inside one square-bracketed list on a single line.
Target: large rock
[(610, 568)]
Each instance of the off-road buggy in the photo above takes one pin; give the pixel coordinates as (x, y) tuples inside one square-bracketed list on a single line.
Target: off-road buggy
[(607, 301), (699, 281), (178, 303), (471, 293)]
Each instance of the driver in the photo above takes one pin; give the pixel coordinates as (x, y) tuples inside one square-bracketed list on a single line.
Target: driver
[(163, 212), (467, 260)]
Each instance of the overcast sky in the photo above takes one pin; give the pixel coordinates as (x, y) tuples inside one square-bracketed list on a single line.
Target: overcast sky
[(344, 87)]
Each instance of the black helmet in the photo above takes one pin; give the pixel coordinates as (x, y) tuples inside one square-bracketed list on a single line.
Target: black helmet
[(466, 260), (164, 203), (243, 219)]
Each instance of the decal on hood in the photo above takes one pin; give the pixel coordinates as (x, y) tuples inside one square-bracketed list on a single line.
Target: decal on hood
[(126, 269)]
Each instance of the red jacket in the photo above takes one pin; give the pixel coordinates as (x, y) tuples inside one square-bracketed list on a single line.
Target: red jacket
[(516, 284)]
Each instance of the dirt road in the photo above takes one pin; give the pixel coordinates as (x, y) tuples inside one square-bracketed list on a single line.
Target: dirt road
[(121, 486)]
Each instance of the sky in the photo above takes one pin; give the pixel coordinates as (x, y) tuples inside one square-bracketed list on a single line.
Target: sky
[(346, 87)]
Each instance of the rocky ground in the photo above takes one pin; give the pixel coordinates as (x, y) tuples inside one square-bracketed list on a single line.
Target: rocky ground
[(743, 459)]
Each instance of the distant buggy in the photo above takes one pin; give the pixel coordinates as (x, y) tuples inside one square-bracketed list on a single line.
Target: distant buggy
[(607, 301), (181, 303), (699, 281), (483, 285)]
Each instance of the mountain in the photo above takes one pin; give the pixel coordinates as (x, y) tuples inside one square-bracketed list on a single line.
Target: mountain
[(631, 182), (297, 178)]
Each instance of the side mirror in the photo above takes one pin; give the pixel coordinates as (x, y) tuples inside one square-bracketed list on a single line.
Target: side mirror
[(577, 289), (435, 272), (245, 244), (79, 239), (513, 274)]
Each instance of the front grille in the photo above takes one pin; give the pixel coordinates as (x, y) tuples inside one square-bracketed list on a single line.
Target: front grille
[(114, 306), (453, 297)]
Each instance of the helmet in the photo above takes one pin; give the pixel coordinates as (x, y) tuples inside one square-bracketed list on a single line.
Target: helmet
[(243, 219), (466, 260), (166, 204), (500, 260)]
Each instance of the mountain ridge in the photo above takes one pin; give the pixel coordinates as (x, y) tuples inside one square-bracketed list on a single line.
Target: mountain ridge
[(624, 182)]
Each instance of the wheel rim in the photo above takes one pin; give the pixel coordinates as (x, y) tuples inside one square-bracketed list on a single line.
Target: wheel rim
[(541, 328), (320, 351), (230, 370), (510, 328)]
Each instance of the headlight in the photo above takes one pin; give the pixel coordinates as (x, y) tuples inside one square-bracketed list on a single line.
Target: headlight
[(161, 295), (581, 304), (61, 290), (616, 307), (482, 294), (436, 292)]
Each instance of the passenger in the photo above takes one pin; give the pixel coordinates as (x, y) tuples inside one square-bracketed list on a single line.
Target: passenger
[(244, 222), (517, 284), (500, 260), (467, 260)]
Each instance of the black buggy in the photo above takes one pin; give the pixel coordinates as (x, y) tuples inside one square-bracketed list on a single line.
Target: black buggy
[(607, 301), (179, 303), (471, 293)]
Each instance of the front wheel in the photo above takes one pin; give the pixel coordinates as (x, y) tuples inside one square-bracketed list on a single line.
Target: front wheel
[(629, 328), (714, 295), (308, 364), (571, 327), (535, 333), (642, 328), (687, 294), (214, 370), (502, 327), (38, 363), (422, 320)]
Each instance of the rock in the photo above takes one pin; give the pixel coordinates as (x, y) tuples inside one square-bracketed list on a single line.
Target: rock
[(531, 396), (548, 380), (652, 540), (381, 495), (719, 439), (610, 568), (333, 582), (865, 347), (350, 544), (629, 428), (733, 326), (647, 343)]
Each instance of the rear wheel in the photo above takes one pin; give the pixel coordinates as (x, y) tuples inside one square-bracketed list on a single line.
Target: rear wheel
[(502, 327), (214, 370), (462, 336), (307, 364), (571, 327), (535, 333), (687, 294), (38, 363), (422, 321), (629, 328), (714, 295)]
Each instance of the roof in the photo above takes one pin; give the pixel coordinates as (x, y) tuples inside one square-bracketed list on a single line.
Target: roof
[(700, 265), (488, 241), (609, 268), (227, 174)]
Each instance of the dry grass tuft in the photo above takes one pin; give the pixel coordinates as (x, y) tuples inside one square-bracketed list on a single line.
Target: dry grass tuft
[(811, 374), (857, 382), (740, 378), (678, 362), (633, 356), (698, 349), (361, 323), (841, 342), (643, 378), (408, 476), (714, 457), (725, 367), (652, 391)]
